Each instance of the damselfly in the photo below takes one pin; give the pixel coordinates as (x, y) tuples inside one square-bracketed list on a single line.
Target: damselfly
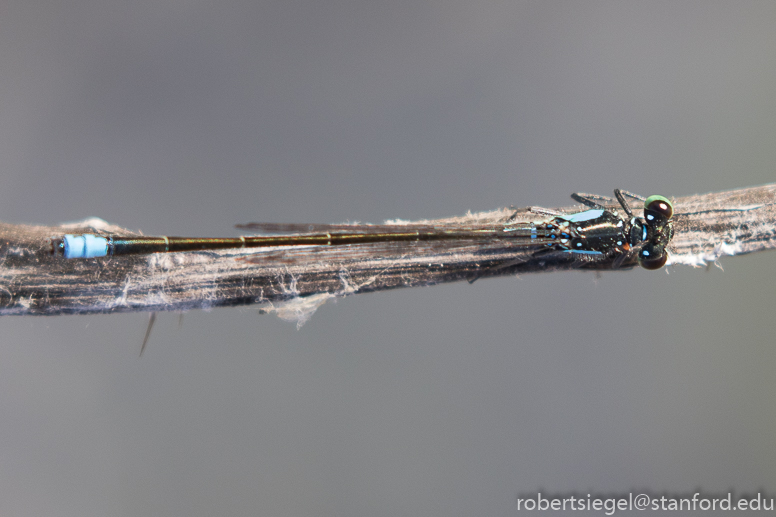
[(598, 234)]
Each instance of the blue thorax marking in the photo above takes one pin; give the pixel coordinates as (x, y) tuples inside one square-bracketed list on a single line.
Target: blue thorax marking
[(587, 215), (584, 252)]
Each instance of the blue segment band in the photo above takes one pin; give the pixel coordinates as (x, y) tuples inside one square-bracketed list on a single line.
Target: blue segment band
[(85, 246)]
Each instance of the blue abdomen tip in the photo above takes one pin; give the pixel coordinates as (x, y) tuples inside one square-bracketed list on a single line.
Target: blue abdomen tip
[(85, 246)]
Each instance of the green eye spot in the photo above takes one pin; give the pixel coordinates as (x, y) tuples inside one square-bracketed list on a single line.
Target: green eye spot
[(660, 205)]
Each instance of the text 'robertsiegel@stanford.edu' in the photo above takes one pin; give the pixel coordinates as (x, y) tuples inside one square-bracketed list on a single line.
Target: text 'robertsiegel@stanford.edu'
[(643, 501)]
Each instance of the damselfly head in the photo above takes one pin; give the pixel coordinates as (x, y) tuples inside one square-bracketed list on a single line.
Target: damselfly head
[(658, 212)]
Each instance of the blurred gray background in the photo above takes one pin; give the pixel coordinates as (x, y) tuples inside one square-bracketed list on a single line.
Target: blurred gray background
[(186, 117)]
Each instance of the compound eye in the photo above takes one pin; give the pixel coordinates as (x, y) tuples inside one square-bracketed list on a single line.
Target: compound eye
[(650, 259), (660, 205)]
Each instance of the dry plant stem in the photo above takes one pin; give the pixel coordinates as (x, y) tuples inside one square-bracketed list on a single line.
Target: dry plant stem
[(294, 281)]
